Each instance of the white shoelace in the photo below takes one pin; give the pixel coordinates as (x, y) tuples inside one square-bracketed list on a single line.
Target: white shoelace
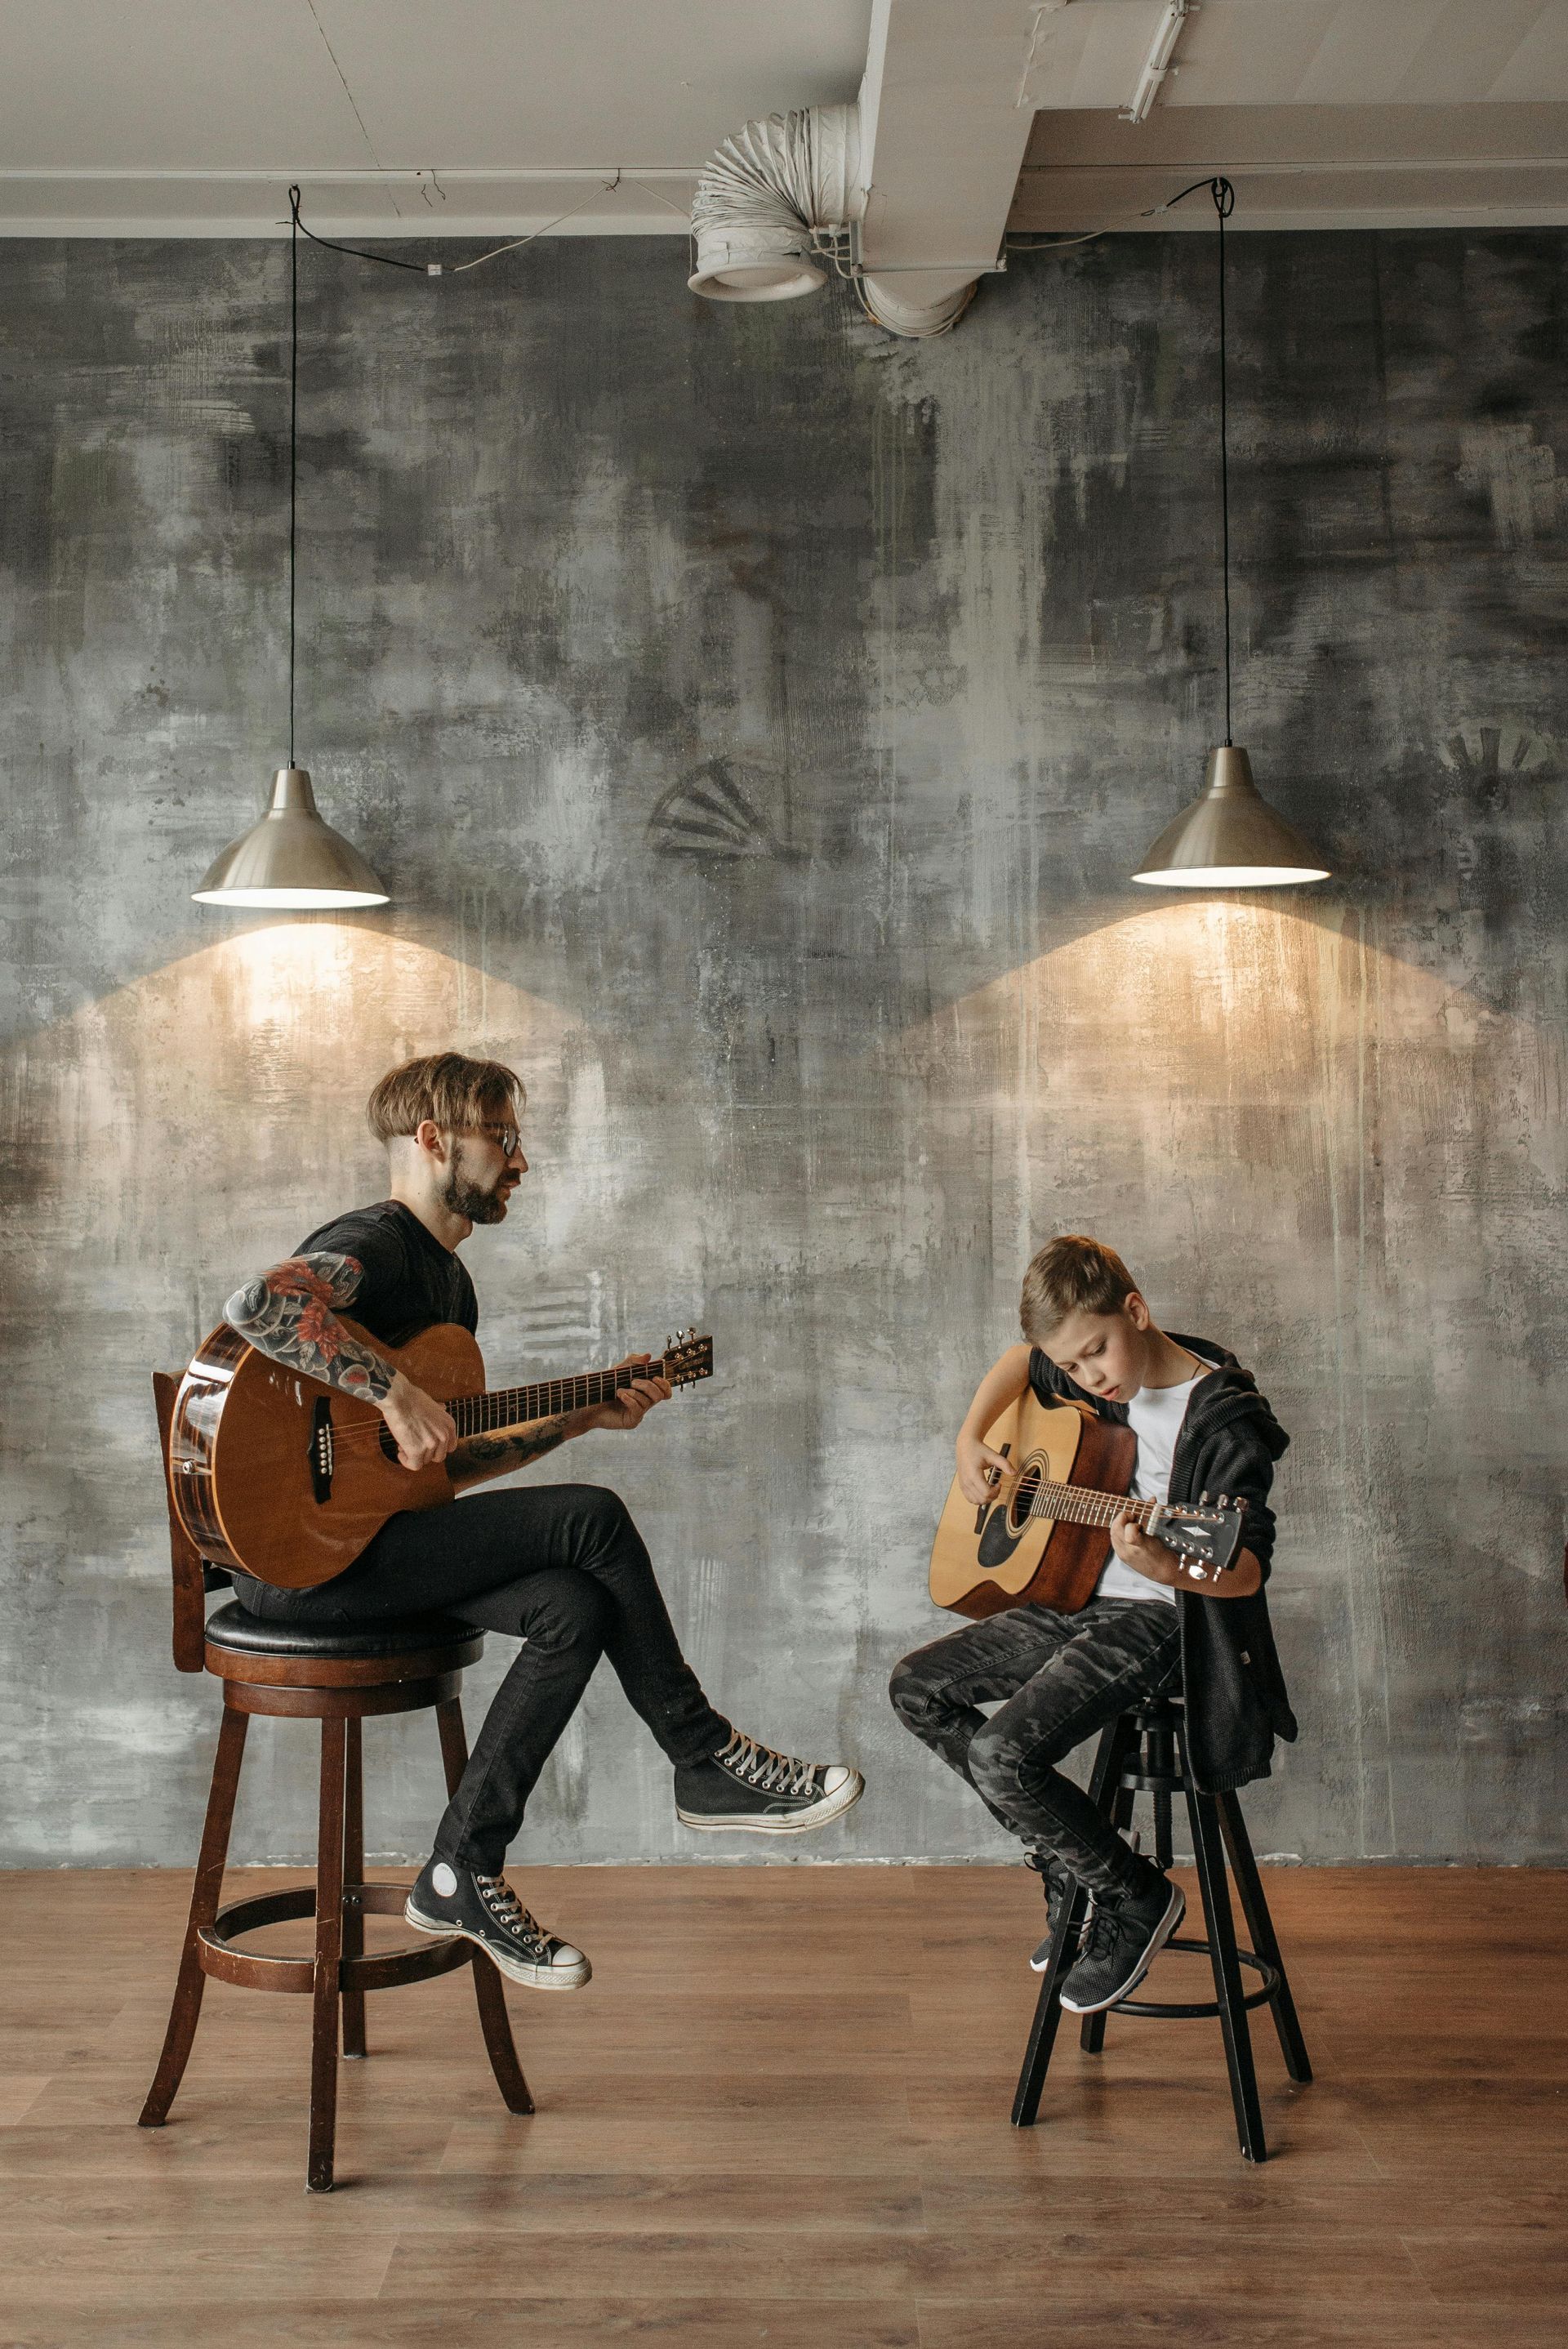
[(508, 1910), (775, 1773)]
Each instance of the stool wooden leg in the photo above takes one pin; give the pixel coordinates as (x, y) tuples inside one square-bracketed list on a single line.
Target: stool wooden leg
[(494, 2021), (353, 1878), (328, 1958), (1064, 1939), (1259, 1925), (1219, 1932), (191, 1982)]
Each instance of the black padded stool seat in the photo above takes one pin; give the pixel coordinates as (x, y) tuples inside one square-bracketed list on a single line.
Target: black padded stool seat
[(235, 1629)]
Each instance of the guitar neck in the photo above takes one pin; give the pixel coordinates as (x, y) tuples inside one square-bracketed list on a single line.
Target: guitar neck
[(1080, 1504), (507, 1407)]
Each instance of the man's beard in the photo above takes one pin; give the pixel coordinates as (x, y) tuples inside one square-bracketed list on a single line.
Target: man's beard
[(463, 1196)]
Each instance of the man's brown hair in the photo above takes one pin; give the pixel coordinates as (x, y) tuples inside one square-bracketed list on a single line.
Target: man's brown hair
[(1071, 1275), (455, 1092)]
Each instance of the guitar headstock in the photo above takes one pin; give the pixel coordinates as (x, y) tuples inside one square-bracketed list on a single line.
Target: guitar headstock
[(1205, 1534), (685, 1359)]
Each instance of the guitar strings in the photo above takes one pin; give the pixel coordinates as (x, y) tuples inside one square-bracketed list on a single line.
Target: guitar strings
[(624, 1374)]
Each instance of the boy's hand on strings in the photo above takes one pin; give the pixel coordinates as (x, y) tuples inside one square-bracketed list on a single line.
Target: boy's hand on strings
[(980, 1470)]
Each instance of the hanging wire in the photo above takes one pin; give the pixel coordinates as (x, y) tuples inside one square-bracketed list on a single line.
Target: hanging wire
[(1087, 236), (293, 439), (1224, 201), (388, 260), (454, 268), (1225, 197)]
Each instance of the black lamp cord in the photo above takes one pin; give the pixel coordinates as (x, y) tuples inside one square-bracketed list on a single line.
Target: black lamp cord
[(1225, 197), (293, 436)]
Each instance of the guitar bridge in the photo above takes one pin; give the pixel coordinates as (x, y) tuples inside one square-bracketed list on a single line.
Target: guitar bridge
[(323, 1457)]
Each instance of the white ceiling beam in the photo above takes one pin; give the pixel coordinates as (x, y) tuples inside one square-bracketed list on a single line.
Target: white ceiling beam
[(944, 122)]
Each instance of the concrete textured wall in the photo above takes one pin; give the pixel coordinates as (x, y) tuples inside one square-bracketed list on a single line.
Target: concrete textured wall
[(935, 629)]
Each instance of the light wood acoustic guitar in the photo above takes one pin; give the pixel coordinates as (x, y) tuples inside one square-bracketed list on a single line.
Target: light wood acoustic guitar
[(1043, 1538), (290, 1479)]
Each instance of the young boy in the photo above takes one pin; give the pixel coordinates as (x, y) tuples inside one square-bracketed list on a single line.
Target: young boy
[(1202, 1426)]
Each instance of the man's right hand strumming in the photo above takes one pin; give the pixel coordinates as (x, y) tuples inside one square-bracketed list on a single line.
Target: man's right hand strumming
[(425, 1432)]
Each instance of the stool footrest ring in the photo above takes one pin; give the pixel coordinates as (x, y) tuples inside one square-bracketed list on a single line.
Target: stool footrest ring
[(385, 1969), (1176, 2009)]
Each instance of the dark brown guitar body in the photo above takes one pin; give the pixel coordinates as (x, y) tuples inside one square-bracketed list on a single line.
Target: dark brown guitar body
[(290, 1479), (245, 1455)]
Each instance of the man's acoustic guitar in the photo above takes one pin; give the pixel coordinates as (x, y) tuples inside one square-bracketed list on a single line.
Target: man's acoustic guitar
[(1043, 1538), (289, 1479)]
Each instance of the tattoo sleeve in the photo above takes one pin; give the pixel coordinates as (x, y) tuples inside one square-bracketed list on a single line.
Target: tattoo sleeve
[(288, 1314), (492, 1455)]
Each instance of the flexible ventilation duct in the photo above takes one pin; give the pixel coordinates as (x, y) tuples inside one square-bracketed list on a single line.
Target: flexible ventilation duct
[(761, 199)]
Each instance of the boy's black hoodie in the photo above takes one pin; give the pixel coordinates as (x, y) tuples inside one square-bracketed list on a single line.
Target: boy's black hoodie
[(1234, 1689)]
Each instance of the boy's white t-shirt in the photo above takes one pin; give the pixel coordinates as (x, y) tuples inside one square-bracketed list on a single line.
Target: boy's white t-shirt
[(1155, 1416)]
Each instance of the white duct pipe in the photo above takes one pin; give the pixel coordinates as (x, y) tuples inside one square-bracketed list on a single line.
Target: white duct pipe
[(761, 196)]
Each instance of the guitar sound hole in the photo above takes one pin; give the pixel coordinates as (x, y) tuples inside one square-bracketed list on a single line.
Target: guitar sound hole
[(1022, 1499)]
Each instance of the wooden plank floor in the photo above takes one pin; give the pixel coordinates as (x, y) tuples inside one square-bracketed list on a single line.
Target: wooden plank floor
[(779, 2115)]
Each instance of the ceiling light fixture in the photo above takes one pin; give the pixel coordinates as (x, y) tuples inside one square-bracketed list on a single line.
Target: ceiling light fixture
[(1229, 838), (291, 861), (1157, 64)]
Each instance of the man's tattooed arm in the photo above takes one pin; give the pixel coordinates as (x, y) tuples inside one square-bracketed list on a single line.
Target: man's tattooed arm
[(478, 1456), (288, 1314)]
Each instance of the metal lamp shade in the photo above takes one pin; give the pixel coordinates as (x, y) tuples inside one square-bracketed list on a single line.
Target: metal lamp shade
[(291, 859), (1230, 839)]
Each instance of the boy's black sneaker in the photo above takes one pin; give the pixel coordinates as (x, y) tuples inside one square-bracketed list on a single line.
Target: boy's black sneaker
[(1058, 1884), (485, 1909), (1123, 1939), (748, 1786)]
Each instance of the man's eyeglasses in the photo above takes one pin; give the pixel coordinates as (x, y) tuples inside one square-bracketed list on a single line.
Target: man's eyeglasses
[(506, 1137)]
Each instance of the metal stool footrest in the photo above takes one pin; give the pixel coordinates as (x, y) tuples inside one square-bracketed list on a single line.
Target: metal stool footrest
[(1176, 2010), (255, 1970)]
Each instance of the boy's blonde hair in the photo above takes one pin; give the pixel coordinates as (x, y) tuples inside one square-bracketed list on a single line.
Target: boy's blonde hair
[(455, 1092), (1073, 1274)]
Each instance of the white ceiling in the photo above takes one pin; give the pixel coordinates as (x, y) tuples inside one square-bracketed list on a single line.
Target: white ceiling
[(191, 117), (1307, 52), (1325, 113), (102, 104)]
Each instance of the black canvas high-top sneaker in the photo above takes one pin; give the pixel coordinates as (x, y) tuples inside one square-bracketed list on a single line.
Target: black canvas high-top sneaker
[(485, 1909), (749, 1787)]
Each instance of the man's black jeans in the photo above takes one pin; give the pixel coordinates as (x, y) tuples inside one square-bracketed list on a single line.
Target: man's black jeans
[(1062, 1677), (562, 1567)]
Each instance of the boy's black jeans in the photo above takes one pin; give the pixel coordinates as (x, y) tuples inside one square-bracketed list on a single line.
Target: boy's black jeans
[(563, 1568), (1062, 1677)]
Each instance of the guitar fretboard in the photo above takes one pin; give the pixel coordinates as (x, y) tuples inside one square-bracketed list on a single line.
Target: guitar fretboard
[(480, 1415), (1080, 1504)]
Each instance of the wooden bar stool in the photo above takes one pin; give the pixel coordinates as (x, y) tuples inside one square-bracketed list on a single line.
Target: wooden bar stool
[(1145, 1752), (337, 1674)]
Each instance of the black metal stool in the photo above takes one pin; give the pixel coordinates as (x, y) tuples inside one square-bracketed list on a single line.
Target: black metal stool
[(1145, 1752)]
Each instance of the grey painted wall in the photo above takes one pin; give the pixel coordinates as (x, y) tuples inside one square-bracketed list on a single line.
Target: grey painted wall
[(940, 621)]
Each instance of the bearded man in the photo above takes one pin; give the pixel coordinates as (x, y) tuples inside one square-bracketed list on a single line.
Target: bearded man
[(560, 1567)]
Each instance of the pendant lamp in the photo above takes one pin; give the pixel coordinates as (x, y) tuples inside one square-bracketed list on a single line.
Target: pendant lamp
[(1229, 838), (292, 860)]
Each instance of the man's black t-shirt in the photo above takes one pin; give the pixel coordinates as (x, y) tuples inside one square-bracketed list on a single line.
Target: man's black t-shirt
[(410, 1282)]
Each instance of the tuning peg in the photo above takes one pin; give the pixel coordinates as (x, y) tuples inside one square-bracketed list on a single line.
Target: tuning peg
[(1224, 1501), (1202, 1498)]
